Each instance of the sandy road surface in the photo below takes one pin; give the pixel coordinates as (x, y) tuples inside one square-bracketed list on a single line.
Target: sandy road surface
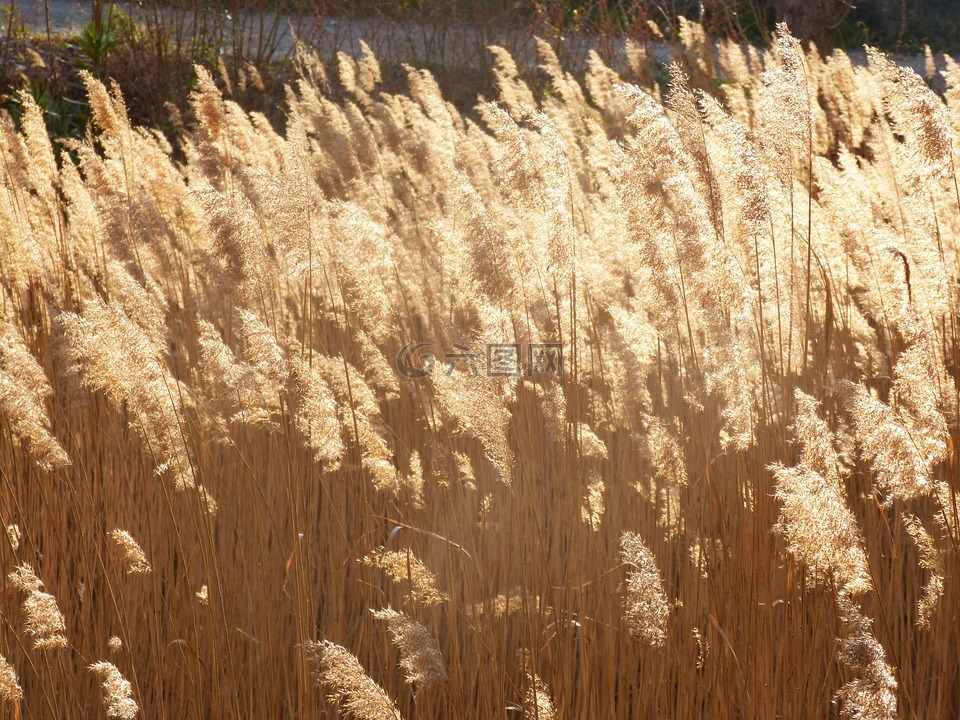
[(460, 45)]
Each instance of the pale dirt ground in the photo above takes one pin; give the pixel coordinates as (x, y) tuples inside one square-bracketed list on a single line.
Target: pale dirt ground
[(396, 40)]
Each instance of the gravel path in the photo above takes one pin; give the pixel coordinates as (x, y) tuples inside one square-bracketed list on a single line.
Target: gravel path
[(408, 41), (64, 16)]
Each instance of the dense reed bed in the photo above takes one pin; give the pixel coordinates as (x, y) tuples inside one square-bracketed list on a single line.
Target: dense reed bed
[(232, 487)]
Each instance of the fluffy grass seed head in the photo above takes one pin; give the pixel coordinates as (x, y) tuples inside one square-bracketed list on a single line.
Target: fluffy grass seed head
[(117, 692), (42, 619), (13, 536), (820, 529), (420, 655), (340, 673), (900, 469), (592, 509), (10, 689), (537, 703), (645, 605), (931, 560), (404, 566), (872, 694), (132, 552)]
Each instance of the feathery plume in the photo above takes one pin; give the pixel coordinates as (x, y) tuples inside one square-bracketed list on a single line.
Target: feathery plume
[(478, 244), (207, 104), (43, 165), (931, 560), (363, 261), (10, 689), (359, 415), (404, 566), (117, 691), (13, 536), (820, 529), (503, 605), (238, 242), (316, 416), (511, 90), (42, 619), (263, 349), (479, 411), (591, 446), (340, 673), (816, 441), (24, 389), (420, 656), (514, 161), (923, 388), (112, 354), (900, 470), (234, 389), (592, 509), (918, 114), (663, 449), (645, 604), (697, 45), (132, 552), (537, 703), (412, 482), (872, 694), (368, 69), (785, 104), (347, 72), (108, 109)]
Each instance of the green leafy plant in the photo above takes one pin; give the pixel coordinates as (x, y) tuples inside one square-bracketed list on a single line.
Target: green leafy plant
[(98, 40)]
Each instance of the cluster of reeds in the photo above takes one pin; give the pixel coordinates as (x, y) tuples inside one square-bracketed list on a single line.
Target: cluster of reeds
[(277, 435)]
